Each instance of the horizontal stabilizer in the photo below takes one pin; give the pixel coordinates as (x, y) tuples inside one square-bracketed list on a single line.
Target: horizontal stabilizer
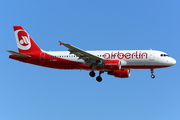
[(18, 54)]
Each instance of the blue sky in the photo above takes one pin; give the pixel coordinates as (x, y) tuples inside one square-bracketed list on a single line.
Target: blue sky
[(29, 92)]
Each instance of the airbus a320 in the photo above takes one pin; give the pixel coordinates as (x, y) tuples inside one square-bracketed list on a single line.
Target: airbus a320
[(115, 62)]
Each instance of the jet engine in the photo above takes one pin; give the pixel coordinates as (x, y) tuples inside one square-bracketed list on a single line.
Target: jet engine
[(122, 73), (112, 64)]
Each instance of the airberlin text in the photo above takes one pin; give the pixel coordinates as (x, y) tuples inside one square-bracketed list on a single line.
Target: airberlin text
[(128, 55)]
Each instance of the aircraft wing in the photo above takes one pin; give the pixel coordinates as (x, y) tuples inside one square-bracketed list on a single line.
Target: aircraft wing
[(87, 57)]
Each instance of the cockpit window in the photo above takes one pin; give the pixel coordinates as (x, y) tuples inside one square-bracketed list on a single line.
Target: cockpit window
[(164, 55)]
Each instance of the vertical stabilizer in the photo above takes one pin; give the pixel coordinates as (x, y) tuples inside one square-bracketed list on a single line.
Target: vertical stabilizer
[(24, 42)]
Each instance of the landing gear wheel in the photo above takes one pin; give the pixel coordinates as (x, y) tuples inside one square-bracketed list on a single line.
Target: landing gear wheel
[(153, 76), (92, 73), (99, 78)]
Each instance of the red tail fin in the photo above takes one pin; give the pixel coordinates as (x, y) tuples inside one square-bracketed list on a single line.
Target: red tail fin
[(24, 42)]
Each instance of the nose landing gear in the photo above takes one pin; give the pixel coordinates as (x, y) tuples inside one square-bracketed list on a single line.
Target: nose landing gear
[(152, 73)]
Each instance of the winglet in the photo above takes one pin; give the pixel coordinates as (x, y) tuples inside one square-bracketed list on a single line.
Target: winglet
[(61, 43)]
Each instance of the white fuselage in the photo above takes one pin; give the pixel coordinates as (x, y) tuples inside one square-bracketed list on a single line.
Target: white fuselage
[(127, 57)]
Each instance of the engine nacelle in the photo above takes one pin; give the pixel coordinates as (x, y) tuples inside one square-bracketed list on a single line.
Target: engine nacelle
[(112, 64), (123, 73)]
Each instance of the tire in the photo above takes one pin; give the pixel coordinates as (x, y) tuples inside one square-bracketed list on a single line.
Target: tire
[(92, 73), (99, 78), (152, 76)]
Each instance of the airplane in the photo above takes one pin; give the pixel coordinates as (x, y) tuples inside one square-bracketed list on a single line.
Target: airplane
[(115, 62)]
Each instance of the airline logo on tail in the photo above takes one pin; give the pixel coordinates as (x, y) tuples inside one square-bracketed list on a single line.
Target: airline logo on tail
[(22, 39)]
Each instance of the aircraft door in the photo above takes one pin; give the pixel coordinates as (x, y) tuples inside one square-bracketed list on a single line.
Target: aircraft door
[(42, 57), (151, 55)]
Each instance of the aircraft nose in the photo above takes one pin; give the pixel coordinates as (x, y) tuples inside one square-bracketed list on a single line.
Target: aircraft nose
[(172, 61)]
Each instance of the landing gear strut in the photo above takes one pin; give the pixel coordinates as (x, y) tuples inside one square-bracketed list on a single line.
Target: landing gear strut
[(152, 73)]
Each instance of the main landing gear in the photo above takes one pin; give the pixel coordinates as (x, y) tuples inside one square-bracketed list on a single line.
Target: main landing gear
[(152, 73), (92, 73), (98, 78)]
